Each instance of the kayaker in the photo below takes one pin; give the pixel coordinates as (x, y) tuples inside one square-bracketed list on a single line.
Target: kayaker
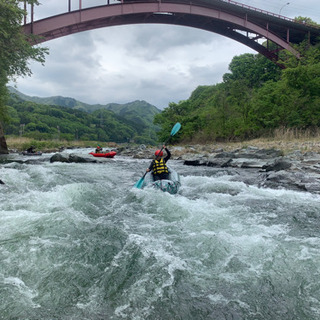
[(158, 165), (31, 149), (98, 149)]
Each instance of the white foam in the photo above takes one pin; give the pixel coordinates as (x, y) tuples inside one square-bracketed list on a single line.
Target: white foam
[(23, 290)]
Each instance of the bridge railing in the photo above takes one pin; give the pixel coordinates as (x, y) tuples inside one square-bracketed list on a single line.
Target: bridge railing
[(270, 13), (83, 4), (258, 10)]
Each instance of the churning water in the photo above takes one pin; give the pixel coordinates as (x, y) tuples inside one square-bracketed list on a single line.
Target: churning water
[(78, 242)]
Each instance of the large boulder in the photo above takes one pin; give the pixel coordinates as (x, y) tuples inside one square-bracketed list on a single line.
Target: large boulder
[(58, 157), (278, 165), (77, 159), (255, 153), (291, 180)]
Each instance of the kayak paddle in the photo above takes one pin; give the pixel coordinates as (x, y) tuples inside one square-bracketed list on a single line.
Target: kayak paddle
[(140, 182), (174, 130)]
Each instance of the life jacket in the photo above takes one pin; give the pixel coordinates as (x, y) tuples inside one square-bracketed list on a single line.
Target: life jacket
[(159, 167)]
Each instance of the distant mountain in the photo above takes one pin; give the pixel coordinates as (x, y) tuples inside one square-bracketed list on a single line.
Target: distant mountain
[(138, 111), (58, 101), (75, 104), (137, 114)]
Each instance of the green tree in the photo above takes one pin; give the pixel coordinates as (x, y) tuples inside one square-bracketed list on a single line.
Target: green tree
[(306, 20), (15, 51), (252, 69)]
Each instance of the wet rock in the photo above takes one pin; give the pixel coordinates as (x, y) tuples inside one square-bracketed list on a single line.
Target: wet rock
[(313, 187), (295, 155), (250, 153), (73, 158), (311, 156), (58, 157), (76, 159), (255, 153), (287, 180), (230, 155), (247, 163), (223, 162), (195, 163), (252, 164), (266, 167), (278, 165)]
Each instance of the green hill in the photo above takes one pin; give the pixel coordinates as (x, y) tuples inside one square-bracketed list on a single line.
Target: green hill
[(138, 106), (47, 118)]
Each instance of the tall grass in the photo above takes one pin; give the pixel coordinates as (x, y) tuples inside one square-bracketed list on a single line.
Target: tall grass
[(291, 134), (284, 139), (22, 143)]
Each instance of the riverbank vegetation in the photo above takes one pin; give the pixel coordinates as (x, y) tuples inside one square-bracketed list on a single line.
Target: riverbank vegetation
[(22, 143), (52, 122)]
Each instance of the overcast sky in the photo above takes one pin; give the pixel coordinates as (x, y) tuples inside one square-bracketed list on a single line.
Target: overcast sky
[(156, 63)]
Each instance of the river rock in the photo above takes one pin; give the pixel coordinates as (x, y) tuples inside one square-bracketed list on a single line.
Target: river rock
[(265, 167), (77, 159), (255, 153), (219, 162), (223, 154), (58, 157), (277, 165), (290, 180)]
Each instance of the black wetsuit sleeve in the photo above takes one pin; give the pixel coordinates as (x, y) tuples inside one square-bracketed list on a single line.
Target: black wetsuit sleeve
[(151, 166), (168, 155)]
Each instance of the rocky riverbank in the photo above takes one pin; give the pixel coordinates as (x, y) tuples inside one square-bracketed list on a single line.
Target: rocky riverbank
[(295, 167), (266, 167)]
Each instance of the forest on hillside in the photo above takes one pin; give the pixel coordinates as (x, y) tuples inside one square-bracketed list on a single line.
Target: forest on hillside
[(47, 122), (255, 98)]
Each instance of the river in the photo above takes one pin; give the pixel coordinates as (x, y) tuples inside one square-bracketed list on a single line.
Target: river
[(77, 241)]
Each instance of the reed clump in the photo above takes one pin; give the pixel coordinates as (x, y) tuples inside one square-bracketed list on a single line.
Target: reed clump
[(23, 143), (285, 139)]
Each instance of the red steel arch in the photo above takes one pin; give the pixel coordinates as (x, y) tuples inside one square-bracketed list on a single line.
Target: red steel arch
[(227, 19)]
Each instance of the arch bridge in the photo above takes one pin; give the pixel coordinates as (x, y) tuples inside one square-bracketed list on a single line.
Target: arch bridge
[(245, 24)]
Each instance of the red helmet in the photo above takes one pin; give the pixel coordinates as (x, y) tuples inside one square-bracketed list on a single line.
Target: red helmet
[(158, 153)]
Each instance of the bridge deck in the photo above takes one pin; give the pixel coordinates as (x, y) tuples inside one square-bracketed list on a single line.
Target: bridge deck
[(223, 17)]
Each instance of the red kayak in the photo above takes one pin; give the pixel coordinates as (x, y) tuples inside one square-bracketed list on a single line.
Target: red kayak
[(110, 154)]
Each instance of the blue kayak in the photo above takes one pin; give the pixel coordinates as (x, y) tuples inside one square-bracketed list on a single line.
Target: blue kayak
[(170, 185), (36, 153)]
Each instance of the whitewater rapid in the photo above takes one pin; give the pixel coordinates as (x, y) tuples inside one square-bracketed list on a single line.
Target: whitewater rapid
[(77, 241)]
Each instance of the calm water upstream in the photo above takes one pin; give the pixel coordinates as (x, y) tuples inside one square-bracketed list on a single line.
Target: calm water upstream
[(78, 242)]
